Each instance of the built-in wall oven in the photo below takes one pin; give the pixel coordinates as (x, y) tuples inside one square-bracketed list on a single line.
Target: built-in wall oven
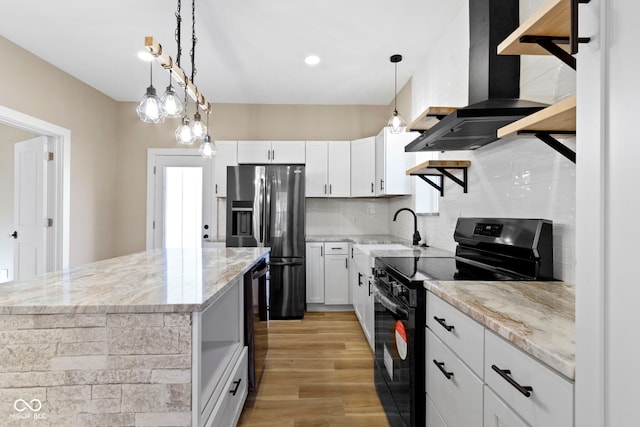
[(489, 249)]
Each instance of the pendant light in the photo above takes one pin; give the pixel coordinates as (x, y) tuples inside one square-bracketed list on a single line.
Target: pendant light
[(150, 108), (198, 128), (396, 122), (171, 101), (207, 148), (184, 135)]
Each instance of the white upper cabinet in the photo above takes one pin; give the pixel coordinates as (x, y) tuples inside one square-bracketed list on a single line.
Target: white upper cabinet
[(392, 163), (363, 167), (226, 155), (328, 169), (262, 152)]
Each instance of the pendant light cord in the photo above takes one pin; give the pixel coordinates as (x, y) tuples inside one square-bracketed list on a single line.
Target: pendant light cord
[(194, 41), (151, 73), (395, 89), (178, 32)]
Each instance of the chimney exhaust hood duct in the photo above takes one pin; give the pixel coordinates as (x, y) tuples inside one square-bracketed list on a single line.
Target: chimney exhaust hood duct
[(494, 84)]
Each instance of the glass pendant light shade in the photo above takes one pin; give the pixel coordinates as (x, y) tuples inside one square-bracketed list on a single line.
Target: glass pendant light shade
[(171, 102), (396, 122), (184, 135), (198, 127), (150, 109), (207, 148)]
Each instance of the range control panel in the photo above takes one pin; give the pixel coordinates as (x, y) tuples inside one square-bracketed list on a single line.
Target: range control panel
[(490, 230)]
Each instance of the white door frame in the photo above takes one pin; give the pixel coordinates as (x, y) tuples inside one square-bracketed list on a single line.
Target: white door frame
[(151, 182), (58, 245)]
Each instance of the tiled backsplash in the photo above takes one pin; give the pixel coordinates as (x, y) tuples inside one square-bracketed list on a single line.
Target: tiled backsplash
[(519, 178)]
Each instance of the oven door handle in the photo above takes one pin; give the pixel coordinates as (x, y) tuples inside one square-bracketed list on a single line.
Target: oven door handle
[(390, 305)]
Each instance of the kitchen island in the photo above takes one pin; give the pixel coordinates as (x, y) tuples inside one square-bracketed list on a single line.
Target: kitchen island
[(152, 338)]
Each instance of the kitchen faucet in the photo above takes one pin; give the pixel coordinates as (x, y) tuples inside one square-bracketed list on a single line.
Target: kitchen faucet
[(416, 234)]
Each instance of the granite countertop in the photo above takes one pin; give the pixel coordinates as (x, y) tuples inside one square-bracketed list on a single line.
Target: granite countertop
[(360, 239), (537, 317), (171, 280)]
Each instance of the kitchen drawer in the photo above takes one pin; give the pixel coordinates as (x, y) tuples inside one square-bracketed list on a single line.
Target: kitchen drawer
[(458, 398), (462, 334), (336, 248), (433, 416), (550, 403), (498, 414), (229, 406)]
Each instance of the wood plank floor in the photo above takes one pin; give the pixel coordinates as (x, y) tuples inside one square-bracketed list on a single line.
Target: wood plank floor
[(318, 372)]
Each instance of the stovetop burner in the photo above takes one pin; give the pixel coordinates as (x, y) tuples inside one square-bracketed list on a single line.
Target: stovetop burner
[(419, 269)]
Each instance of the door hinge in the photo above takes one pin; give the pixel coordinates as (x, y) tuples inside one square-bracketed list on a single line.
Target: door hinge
[(50, 155), (48, 222)]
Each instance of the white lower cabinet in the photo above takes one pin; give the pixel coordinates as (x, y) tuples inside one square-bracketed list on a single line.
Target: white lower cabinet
[(327, 273), (219, 373), (535, 392), (336, 273), (454, 389), (227, 410), (497, 413), (433, 417), (473, 377), (362, 292), (314, 271)]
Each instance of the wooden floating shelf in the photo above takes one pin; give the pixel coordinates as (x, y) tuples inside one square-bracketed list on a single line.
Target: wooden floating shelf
[(552, 19), (430, 166), (429, 118), (557, 118), (441, 169)]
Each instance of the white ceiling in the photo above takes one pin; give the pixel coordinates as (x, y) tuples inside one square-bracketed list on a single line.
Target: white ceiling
[(248, 51)]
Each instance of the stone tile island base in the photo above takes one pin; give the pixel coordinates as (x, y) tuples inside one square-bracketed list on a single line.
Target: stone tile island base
[(95, 369)]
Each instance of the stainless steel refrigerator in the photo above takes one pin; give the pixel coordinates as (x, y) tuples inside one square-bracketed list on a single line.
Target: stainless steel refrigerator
[(265, 207)]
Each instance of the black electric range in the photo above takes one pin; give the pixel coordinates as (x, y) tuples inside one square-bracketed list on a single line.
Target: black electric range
[(489, 249)]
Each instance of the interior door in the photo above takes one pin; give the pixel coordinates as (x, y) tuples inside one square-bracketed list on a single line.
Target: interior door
[(30, 208), (183, 201)]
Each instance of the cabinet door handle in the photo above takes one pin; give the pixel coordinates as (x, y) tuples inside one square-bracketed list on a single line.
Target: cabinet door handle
[(237, 386), (268, 154), (325, 189), (440, 366), (273, 154), (381, 184), (372, 187), (216, 188), (330, 189), (346, 263), (359, 279), (442, 323), (506, 375), (369, 281)]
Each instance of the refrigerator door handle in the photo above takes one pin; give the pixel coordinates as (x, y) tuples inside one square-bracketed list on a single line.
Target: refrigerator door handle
[(262, 209), (267, 210)]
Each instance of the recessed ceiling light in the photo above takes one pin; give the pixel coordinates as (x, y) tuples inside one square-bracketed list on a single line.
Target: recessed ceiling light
[(145, 56), (312, 60)]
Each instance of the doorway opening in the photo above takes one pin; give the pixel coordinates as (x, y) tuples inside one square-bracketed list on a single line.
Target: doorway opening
[(180, 210), (52, 227)]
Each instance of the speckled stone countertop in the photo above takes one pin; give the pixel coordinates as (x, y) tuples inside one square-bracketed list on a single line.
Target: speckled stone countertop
[(173, 280), (360, 239), (537, 317)]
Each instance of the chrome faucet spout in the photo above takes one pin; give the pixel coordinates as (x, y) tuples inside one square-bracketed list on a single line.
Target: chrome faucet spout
[(416, 234)]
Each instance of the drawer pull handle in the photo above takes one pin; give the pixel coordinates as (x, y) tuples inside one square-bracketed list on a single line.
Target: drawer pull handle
[(443, 324), (505, 373), (237, 386), (440, 366)]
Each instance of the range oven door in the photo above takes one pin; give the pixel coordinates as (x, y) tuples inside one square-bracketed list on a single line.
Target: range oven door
[(394, 368)]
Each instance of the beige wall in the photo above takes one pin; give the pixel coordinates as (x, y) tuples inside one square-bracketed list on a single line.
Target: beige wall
[(228, 121), (34, 87)]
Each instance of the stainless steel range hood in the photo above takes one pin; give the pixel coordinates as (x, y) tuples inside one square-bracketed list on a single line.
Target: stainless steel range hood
[(494, 84)]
